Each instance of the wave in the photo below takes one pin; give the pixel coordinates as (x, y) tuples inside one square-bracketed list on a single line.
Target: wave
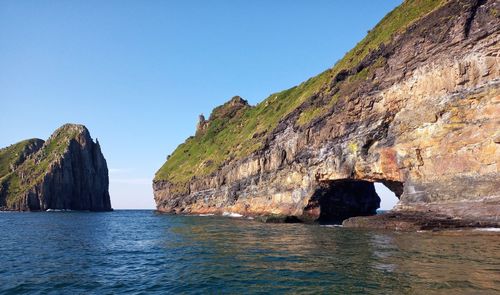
[(490, 229), (58, 210), (331, 225), (231, 214)]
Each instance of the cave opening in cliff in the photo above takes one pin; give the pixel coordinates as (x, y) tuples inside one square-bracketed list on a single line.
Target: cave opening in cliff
[(336, 200), (388, 198)]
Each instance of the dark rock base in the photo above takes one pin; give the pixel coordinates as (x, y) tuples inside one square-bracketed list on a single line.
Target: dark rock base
[(413, 221)]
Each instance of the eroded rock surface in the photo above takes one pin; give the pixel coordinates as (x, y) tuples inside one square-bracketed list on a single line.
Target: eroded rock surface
[(424, 119)]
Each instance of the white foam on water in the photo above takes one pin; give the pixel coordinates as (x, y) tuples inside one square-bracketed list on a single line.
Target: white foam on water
[(231, 214), (250, 217), (57, 210), (332, 225), (208, 214), (490, 229)]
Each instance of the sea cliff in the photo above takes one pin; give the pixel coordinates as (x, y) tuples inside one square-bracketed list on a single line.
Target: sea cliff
[(415, 106), (68, 171)]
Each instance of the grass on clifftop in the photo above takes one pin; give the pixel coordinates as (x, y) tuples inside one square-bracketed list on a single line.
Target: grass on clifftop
[(393, 23), (239, 136), (234, 137)]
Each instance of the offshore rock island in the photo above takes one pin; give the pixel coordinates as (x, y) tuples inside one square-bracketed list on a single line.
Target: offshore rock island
[(66, 172), (415, 106)]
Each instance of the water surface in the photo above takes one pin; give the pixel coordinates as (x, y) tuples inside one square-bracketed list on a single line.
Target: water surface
[(143, 252)]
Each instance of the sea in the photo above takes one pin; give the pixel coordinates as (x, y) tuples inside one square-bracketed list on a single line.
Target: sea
[(143, 252)]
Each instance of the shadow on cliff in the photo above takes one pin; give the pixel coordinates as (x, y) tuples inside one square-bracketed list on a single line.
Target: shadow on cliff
[(335, 201)]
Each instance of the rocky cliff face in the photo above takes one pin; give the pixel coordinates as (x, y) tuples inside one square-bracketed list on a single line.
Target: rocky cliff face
[(68, 171), (419, 113)]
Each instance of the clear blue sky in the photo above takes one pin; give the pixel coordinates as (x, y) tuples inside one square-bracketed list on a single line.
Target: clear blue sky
[(138, 73)]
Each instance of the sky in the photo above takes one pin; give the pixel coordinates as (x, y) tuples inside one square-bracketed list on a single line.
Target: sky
[(138, 73)]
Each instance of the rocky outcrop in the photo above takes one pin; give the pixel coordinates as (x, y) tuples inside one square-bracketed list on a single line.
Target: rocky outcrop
[(202, 124), (68, 171), (419, 114)]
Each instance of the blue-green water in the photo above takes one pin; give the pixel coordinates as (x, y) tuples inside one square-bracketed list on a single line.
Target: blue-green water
[(143, 252)]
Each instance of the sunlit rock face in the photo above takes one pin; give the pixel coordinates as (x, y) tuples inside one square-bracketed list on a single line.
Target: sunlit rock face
[(425, 122)]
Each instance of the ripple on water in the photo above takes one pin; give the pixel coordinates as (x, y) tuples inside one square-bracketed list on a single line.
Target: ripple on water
[(139, 251)]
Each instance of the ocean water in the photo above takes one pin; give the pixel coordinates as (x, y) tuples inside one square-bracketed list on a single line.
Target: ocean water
[(141, 252)]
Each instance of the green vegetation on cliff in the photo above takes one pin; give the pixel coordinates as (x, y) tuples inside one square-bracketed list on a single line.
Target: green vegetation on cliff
[(31, 163), (233, 137), (11, 155), (237, 136)]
